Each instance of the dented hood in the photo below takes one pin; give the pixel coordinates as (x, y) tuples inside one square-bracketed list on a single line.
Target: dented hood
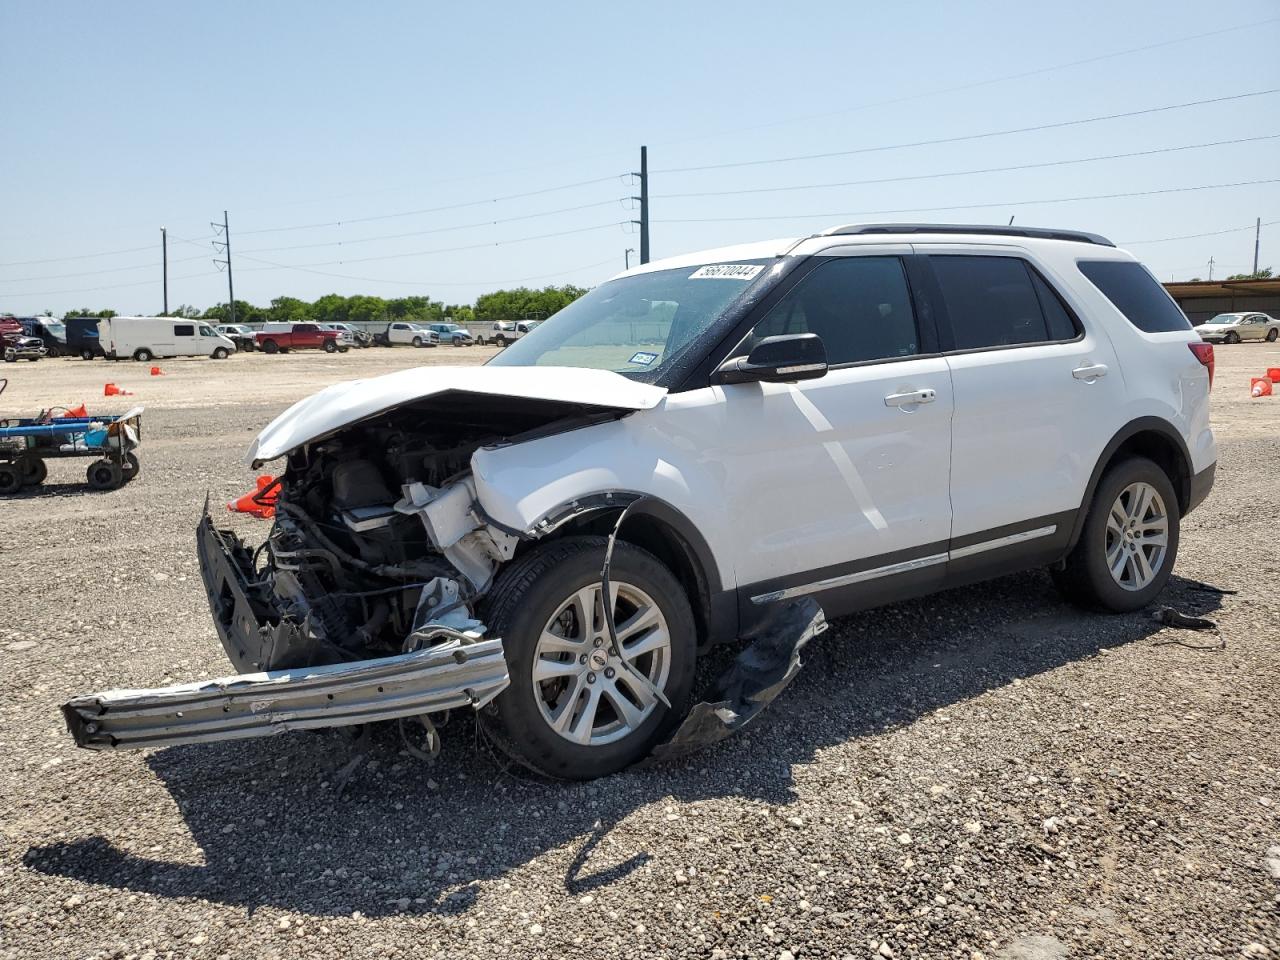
[(346, 403)]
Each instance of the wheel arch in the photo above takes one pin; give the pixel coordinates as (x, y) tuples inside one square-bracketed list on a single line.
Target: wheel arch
[(1150, 437), (660, 528)]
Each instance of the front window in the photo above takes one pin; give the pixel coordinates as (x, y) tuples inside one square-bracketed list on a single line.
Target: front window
[(206, 331), (636, 325)]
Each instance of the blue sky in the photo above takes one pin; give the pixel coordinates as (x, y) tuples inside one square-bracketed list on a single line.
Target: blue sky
[(333, 133)]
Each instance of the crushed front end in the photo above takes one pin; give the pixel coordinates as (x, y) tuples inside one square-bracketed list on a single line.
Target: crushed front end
[(358, 606)]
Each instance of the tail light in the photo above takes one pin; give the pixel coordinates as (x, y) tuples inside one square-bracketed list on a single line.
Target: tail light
[(1204, 353)]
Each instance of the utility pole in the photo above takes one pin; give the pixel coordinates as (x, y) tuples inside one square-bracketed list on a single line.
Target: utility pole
[(164, 256), (626, 256), (226, 249), (643, 222), (1211, 268), (1257, 239)]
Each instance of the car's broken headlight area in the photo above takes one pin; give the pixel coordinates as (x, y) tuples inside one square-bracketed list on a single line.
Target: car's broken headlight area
[(375, 559)]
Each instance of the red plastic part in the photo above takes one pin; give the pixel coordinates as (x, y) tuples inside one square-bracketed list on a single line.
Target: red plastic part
[(260, 502), (1204, 353)]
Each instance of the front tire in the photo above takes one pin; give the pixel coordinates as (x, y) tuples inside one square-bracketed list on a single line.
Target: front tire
[(86, 354), (143, 355), (10, 478), (574, 710), (417, 341), (34, 471), (1127, 549), (221, 353), (330, 346), (1231, 337), (270, 346)]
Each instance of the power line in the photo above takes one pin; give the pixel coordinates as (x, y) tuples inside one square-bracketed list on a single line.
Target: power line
[(82, 256), (965, 173), (976, 206), (450, 206), (420, 233), (1197, 236), (93, 273), (428, 283), (941, 91), (116, 286), (972, 136), (423, 253)]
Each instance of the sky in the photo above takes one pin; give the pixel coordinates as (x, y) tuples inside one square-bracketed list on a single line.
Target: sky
[(451, 149)]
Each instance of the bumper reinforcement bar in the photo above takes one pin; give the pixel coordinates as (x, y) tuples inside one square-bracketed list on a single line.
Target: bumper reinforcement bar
[(449, 675)]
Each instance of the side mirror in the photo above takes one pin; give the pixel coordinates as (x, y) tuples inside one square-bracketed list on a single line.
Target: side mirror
[(793, 356)]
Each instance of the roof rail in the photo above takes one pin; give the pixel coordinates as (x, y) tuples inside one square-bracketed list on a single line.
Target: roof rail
[(1043, 233)]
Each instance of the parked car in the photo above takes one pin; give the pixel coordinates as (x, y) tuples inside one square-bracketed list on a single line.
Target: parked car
[(49, 331), (452, 333), (83, 340), (145, 338), (283, 337), (553, 537), (242, 336), (412, 334), (357, 338), (1234, 327), (15, 345), (503, 332)]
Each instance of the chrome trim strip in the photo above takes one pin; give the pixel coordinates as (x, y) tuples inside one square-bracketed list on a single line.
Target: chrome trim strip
[(906, 566), (1008, 541), (831, 583)]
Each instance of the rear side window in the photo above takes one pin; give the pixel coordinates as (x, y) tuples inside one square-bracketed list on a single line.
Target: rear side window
[(999, 302), (184, 330), (859, 306), (1137, 294)]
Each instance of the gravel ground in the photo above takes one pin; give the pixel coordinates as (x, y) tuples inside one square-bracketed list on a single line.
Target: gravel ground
[(986, 773)]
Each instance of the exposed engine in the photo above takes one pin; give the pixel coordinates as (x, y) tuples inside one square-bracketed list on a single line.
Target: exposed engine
[(374, 538)]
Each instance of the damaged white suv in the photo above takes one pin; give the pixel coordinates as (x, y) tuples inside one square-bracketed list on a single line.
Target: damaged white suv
[(869, 414)]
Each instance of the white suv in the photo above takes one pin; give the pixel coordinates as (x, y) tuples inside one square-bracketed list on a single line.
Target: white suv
[(857, 417)]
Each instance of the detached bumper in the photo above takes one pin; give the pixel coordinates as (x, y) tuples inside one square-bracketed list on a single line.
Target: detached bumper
[(261, 704)]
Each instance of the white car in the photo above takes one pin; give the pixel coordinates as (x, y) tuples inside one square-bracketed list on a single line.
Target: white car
[(411, 334), (857, 417), (1234, 327)]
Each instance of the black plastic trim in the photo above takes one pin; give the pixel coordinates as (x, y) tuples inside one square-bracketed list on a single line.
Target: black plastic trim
[(1201, 484), (1043, 233)]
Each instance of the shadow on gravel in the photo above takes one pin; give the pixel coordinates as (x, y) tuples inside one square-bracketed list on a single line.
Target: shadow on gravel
[(273, 833)]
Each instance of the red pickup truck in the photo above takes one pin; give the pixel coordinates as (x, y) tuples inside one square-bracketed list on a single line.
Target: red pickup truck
[(283, 337)]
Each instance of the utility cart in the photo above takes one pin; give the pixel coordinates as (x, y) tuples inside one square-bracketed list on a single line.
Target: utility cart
[(110, 439)]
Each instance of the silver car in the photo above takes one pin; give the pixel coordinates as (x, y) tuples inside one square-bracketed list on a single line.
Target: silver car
[(1234, 327)]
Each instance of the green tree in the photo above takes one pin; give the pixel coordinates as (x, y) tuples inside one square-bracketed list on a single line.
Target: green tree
[(1263, 274), (86, 312)]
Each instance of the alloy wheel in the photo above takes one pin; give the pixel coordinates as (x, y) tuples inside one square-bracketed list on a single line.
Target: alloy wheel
[(588, 691), (1137, 536)]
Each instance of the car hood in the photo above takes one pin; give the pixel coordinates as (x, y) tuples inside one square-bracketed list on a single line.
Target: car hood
[(343, 404)]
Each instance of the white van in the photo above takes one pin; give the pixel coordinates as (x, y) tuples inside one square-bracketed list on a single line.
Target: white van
[(145, 338)]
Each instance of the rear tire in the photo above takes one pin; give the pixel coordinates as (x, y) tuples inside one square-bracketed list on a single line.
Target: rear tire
[(104, 475), (34, 471), (10, 479), (143, 355), (1139, 542), (86, 354), (533, 599), (1272, 335)]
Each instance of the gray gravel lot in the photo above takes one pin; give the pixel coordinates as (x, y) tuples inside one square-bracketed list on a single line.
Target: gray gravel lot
[(986, 773)]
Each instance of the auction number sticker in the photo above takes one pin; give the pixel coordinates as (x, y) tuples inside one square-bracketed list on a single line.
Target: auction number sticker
[(727, 271), (643, 359)]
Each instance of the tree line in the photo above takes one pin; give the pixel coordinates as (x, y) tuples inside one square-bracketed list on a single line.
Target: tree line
[(521, 303)]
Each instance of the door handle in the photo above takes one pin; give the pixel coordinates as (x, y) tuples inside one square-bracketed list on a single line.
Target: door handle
[(910, 398), (1090, 371)]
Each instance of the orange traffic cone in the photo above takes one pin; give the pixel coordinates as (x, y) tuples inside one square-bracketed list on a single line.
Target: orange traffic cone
[(1260, 387), (77, 412), (261, 503), (111, 390), (1273, 374), (157, 372)]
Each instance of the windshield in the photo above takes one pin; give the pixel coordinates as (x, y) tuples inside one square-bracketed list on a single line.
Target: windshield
[(1224, 318), (57, 329), (636, 325)]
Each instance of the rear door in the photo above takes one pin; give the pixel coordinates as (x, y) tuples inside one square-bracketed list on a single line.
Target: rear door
[(838, 485), (1038, 394)]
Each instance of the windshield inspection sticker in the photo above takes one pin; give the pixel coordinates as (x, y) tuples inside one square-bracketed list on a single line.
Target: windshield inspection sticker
[(643, 358), (727, 271)]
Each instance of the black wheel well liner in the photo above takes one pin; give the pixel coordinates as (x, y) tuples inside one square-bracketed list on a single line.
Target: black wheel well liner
[(664, 531), (1150, 437)]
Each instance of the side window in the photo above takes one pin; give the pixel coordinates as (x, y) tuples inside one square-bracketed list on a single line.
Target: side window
[(992, 301), (206, 331), (1062, 325), (1137, 294), (184, 330), (859, 306)]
